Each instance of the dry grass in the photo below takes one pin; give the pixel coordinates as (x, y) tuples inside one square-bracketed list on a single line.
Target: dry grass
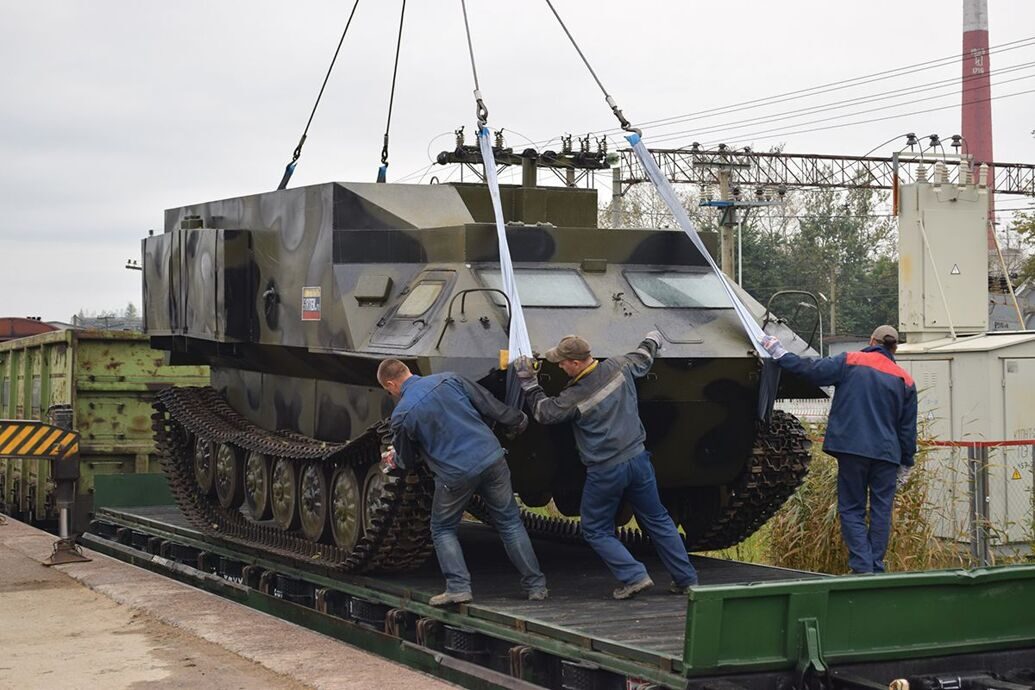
[(806, 533)]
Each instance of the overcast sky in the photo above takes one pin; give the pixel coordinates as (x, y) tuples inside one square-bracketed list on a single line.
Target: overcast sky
[(113, 110)]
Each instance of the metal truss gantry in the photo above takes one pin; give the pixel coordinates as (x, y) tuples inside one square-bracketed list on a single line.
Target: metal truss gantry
[(752, 170)]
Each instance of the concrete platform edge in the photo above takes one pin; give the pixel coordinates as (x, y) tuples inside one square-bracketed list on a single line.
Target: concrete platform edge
[(279, 646)]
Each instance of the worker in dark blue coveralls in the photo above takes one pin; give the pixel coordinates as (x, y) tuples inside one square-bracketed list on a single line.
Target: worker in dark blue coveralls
[(600, 402), (442, 419), (872, 433)]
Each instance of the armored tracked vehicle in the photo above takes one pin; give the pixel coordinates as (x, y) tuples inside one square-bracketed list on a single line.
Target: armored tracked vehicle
[(293, 297)]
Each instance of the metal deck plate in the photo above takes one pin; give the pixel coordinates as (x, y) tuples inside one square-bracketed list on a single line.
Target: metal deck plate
[(580, 609)]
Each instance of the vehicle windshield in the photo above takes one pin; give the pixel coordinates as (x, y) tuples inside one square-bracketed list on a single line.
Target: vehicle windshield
[(679, 289), (543, 287)]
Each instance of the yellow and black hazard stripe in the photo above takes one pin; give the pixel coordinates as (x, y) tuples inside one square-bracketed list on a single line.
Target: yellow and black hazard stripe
[(25, 439)]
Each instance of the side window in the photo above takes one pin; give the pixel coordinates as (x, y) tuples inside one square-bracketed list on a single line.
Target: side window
[(543, 287), (679, 289), (404, 324), (421, 299)]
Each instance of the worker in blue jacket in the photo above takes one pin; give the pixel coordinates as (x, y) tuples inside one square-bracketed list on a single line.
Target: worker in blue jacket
[(872, 433), (441, 419)]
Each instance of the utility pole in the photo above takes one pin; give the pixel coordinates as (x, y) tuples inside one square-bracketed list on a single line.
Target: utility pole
[(617, 197), (833, 302), (731, 251), (727, 221)]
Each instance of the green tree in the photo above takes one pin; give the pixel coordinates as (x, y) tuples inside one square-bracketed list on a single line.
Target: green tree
[(836, 244), (1023, 224)]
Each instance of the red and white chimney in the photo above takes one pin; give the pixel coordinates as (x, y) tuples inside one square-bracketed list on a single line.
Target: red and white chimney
[(977, 94)]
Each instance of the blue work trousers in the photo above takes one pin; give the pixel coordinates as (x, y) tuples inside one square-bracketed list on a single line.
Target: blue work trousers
[(633, 481), (857, 479), (447, 509)]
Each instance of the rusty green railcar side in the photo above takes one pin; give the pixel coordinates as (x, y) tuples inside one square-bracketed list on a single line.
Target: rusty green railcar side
[(109, 379)]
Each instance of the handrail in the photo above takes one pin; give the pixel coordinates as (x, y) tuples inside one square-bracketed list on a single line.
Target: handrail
[(463, 307)]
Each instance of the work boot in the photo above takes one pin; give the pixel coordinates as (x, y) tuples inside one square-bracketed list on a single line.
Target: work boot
[(447, 598), (629, 591), (538, 594), (681, 589)]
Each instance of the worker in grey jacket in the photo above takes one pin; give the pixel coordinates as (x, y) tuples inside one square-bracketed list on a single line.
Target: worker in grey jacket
[(601, 403)]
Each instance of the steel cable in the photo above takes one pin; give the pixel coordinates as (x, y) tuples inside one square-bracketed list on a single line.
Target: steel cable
[(626, 126), (382, 173), (481, 112), (290, 169)]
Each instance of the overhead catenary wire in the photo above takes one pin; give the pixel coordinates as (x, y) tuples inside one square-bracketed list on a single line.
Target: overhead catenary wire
[(290, 168), (873, 98), (382, 172), (839, 105), (823, 88), (832, 86), (747, 138)]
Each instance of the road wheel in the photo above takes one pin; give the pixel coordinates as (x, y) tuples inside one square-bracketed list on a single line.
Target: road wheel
[(284, 494), (257, 486), (312, 501), (229, 476), (204, 464), (345, 518)]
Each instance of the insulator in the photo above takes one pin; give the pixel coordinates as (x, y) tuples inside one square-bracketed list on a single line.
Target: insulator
[(940, 173), (602, 146), (921, 173), (964, 178), (459, 137), (983, 175), (499, 138), (566, 143)]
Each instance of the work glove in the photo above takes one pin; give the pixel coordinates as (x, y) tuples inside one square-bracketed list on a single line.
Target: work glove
[(772, 345), (524, 369), (903, 476), (654, 337), (518, 429), (388, 462)]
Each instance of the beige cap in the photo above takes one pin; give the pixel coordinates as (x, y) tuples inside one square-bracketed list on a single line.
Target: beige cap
[(570, 347), (882, 332)]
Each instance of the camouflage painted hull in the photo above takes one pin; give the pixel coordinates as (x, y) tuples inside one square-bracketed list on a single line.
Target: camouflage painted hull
[(294, 296)]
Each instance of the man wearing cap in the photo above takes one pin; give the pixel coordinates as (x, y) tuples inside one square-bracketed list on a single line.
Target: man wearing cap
[(871, 431), (601, 403)]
